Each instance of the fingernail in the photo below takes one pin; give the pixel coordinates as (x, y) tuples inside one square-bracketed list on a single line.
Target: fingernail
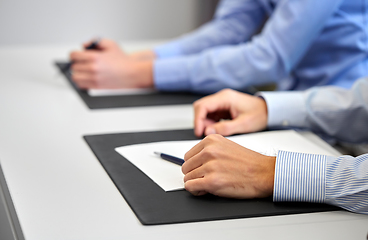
[(210, 131)]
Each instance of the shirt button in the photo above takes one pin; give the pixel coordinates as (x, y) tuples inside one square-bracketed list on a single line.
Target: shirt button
[(285, 123)]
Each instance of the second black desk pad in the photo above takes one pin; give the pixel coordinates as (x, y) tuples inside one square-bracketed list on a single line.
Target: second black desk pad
[(152, 205), (120, 101)]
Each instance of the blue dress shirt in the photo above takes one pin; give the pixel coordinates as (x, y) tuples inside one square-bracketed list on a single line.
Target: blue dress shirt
[(303, 43), (339, 113)]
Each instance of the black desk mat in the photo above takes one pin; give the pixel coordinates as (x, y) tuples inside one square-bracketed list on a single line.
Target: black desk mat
[(152, 205), (121, 101)]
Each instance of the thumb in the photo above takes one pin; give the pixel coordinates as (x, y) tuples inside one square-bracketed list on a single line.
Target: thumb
[(241, 124), (226, 127)]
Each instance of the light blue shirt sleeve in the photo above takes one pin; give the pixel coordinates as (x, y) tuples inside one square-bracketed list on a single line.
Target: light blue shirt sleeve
[(268, 57), (339, 113), (235, 21), (340, 181)]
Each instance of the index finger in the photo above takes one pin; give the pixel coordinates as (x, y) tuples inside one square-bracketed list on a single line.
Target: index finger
[(201, 108), (205, 106), (192, 158), (194, 151), (200, 114)]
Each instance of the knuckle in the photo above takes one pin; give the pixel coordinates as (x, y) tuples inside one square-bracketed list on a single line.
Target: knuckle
[(93, 68), (230, 95), (75, 77), (94, 80), (213, 167), (189, 186), (208, 152), (109, 42), (186, 156), (209, 138), (197, 104), (225, 128), (209, 168), (211, 141), (226, 91), (214, 183), (73, 68), (93, 57), (212, 138), (186, 178)]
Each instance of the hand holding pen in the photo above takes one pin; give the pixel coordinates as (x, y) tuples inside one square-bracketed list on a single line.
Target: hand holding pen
[(110, 68), (91, 46)]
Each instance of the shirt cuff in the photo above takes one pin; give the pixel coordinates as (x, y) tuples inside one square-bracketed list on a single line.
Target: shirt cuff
[(285, 108), (171, 49), (299, 177), (171, 75)]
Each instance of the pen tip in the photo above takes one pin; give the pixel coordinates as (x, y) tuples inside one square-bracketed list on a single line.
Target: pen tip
[(157, 153)]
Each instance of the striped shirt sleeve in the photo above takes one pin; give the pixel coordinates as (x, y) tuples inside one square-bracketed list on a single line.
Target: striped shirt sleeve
[(340, 181)]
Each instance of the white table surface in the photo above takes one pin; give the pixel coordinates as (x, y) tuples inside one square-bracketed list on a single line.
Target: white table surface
[(60, 190)]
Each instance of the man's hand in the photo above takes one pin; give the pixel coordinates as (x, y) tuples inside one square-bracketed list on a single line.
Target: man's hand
[(239, 112), (221, 167), (109, 67), (143, 55)]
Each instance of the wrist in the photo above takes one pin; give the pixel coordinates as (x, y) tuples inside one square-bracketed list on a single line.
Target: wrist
[(143, 55), (263, 112), (268, 178), (143, 74)]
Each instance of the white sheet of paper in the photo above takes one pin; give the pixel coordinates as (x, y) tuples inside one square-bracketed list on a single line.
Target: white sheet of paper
[(169, 176), (115, 92)]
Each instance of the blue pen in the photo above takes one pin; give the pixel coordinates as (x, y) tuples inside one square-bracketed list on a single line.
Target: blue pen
[(170, 158), (93, 45)]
